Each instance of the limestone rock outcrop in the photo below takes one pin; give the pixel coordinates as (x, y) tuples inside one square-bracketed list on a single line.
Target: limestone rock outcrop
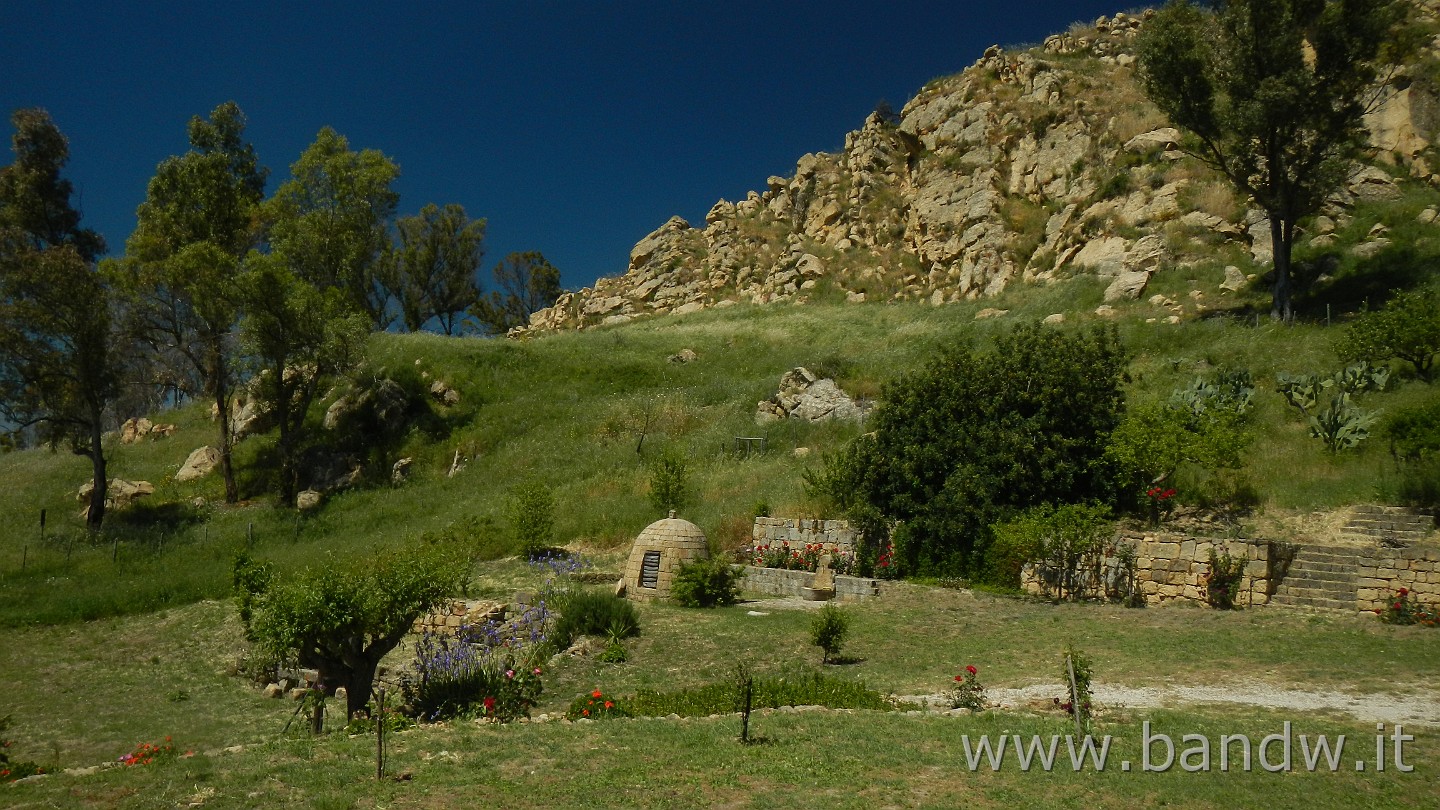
[(1027, 167), (803, 395)]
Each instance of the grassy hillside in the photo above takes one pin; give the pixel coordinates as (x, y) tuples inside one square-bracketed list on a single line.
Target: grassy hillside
[(568, 410)]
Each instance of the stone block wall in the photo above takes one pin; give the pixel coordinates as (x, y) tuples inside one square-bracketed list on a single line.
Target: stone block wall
[(1170, 567), (1416, 568), (780, 582), (803, 531), (470, 612)]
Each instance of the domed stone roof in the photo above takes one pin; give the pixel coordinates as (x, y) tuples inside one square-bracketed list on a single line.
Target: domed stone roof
[(658, 553), (673, 531)]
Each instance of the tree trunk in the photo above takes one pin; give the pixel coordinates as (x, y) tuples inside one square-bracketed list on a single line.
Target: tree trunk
[(1282, 233), (224, 406), (361, 680), (96, 512)]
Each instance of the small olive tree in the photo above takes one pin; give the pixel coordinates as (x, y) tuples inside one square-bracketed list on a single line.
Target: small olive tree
[(342, 617)]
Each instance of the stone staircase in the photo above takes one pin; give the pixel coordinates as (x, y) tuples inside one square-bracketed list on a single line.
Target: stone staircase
[(1325, 577), (1320, 578), (1388, 526)]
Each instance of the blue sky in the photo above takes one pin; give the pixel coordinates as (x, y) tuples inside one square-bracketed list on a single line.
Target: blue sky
[(574, 129)]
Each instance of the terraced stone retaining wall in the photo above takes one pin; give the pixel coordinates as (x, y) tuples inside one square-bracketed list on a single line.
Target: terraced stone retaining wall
[(780, 582), (1169, 567), (1381, 576), (803, 531)]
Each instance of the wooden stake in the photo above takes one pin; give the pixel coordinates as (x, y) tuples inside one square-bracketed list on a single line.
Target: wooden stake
[(380, 734), (1074, 694)]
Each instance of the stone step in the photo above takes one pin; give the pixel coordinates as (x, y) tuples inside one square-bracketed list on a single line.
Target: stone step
[(1372, 530), (1373, 509), (1392, 520), (1313, 603), (1317, 591), (1317, 566)]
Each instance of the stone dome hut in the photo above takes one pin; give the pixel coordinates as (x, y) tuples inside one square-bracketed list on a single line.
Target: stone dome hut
[(658, 552)]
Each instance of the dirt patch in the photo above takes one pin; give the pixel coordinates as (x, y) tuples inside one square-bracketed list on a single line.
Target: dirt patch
[(1409, 710)]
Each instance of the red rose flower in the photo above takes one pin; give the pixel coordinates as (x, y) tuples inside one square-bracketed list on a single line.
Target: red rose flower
[(489, 705), (1404, 591), (971, 669), (595, 694)]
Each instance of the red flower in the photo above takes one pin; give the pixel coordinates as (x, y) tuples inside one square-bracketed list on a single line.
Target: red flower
[(959, 678), (971, 669), (595, 694), (1404, 591), (609, 705), (586, 712), (1397, 605), (489, 705)]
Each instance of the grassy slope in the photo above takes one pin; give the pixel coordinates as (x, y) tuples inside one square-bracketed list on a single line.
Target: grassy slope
[(566, 409)]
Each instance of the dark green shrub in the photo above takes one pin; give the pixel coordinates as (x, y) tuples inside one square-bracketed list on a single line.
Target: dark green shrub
[(532, 517), (669, 482), (828, 631), (1414, 433), (977, 437), (594, 613), (707, 583), (249, 578), (1407, 328)]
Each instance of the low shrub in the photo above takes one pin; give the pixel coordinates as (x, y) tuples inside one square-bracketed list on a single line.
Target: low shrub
[(1222, 582), (1404, 608), (802, 688), (532, 517), (707, 583), (459, 678), (11, 770), (802, 558), (968, 692), (828, 631), (595, 706), (589, 612)]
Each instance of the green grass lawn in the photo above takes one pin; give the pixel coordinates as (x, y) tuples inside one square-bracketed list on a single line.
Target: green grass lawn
[(86, 693)]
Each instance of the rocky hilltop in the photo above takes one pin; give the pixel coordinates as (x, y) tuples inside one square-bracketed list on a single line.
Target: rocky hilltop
[(1028, 167)]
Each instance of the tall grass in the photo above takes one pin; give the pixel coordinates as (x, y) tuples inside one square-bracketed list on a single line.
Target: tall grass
[(569, 410)]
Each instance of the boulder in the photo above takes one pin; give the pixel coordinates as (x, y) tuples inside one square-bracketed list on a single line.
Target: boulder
[(1162, 138), (307, 500), (1140, 263), (803, 395), (442, 393), (198, 464), (684, 356), (1234, 279), (1105, 255), (400, 470), (119, 493)]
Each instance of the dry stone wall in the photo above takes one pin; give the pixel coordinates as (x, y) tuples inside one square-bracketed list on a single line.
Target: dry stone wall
[(781, 582), (1171, 567), (1383, 573), (799, 532)]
